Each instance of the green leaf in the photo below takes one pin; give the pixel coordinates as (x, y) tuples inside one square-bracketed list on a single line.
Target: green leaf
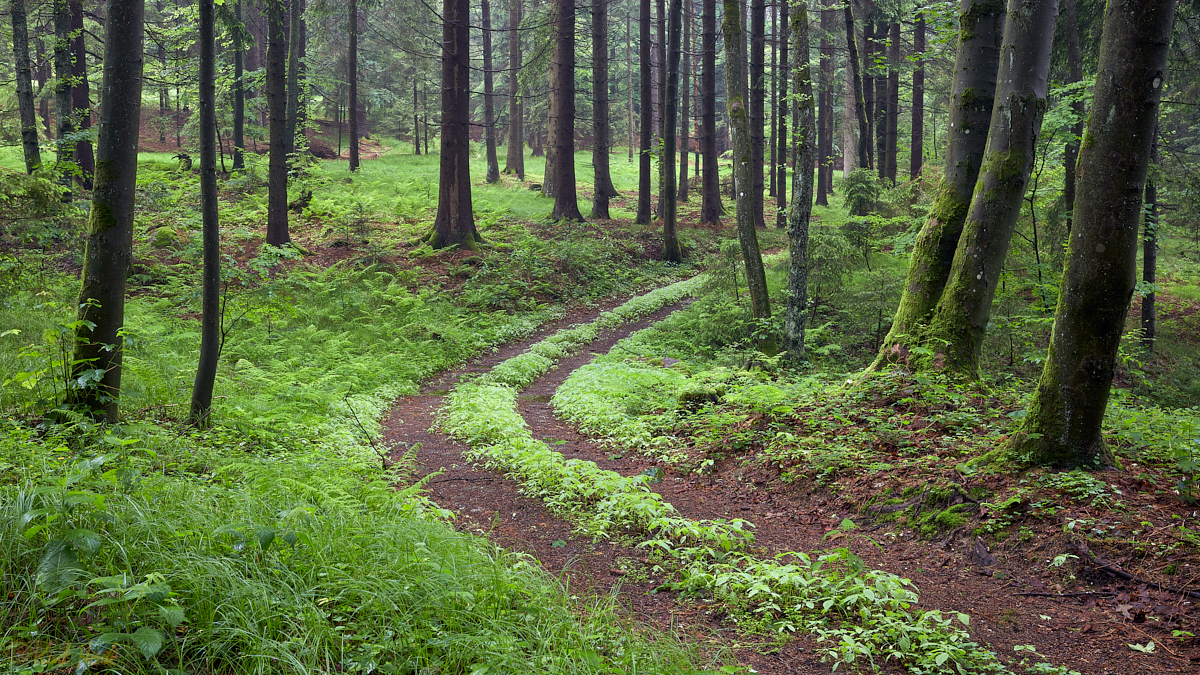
[(966, 620), (1147, 648), (171, 614), (148, 641)]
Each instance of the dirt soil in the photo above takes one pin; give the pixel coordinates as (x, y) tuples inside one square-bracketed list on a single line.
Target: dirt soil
[(1013, 596)]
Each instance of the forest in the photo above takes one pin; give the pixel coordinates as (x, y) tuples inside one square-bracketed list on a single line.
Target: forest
[(600, 336)]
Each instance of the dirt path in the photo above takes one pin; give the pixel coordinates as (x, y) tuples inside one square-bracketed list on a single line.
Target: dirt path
[(1076, 631)]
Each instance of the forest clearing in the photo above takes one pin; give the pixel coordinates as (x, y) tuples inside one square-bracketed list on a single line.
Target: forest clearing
[(329, 372)]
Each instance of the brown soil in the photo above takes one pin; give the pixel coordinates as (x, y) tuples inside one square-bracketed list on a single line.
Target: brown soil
[(1089, 629)]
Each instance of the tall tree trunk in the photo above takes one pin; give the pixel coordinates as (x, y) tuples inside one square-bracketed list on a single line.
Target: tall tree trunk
[(879, 78), (743, 180), (210, 321), (971, 101), (514, 161), (825, 106), (416, 117), (455, 224), (757, 107), (81, 95), (893, 92), (629, 77), (646, 96), (961, 317), (489, 111), (1063, 426), (672, 253), (917, 151), (1150, 252), (352, 78), (1075, 65), (107, 260), (277, 169), (660, 97), (781, 133), (239, 94), (550, 176), (29, 130), (302, 80), (860, 110), (686, 90), (798, 216), (710, 181), (566, 202), (602, 186), (64, 112), (773, 123), (295, 36)]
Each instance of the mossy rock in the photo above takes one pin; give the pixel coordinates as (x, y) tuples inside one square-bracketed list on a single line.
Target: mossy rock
[(166, 237)]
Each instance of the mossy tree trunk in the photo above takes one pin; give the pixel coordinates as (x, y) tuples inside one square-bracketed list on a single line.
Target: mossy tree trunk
[(566, 200), (514, 161), (489, 108), (239, 93), (29, 130), (455, 224), (797, 221), (97, 354), (743, 181), (781, 126), (971, 97), (63, 103), (671, 250), (710, 181), (825, 105), (860, 111), (81, 95), (602, 185), (210, 321), (757, 107), (1063, 427), (960, 319), (646, 94), (277, 164)]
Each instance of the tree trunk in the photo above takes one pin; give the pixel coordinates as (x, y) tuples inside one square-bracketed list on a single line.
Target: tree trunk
[(210, 321), (301, 80), (81, 96), (646, 96), (860, 111), (1063, 427), (514, 161), (825, 107), (277, 169), (97, 353), (455, 224), (64, 112), (629, 77), (602, 186), (798, 216), (352, 78), (743, 180), (773, 122), (293, 76), (685, 110), (757, 107), (29, 130), (1075, 65), (566, 202), (868, 84), (710, 180), (961, 317), (917, 151), (881, 99), (416, 118), (1150, 252), (489, 111), (971, 98), (672, 253), (781, 134), (893, 91), (239, 95)]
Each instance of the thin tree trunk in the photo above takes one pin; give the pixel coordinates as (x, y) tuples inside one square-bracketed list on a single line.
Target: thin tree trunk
[(646, 96), (514, 161), (210, 321), (550, 175), (1075, 65), (781, 132), (773, 122), (710, 181), (825, 106), (961, 317), (629, 76), (109, 253), (971, 99), (798, 216), (566, 202), (756, 278), (239, 94), (1150, 252), (881, 98), (81, 96), (352, 78), (602, 186), (917, 151), (660, 97), (672, 253), (893, 91), (62, 90), (489, 111), (860, 110), (1064, 424), (685, 110), (455, 224), (416, 117), (293, 76), (757, 107), (277, 217), (301, 80), (29, 129)]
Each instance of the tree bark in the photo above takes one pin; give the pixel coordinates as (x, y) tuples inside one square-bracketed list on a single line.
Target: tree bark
[(1150, 252), (710, 181), (210, 320), (239, 94), (743, 180), (602, 185), (686, 91), (416, 117), (1075, 66), (455, 224), (352, 78), (514, 161), (566, 202), (971, 99), (917, 151), (757, 107), (860, 110), (107, 260), (893, 111), (881, 98), (489, 111), (81, 96), (1063, 427), (961, 317), (781, 132), (29, 130), (629, 78), (798, 216), (825, 106), (64, 112), (646, 96), (672, 253), (277, 169), (868, 84)]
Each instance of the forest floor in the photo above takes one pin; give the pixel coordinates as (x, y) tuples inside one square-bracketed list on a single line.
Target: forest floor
[(1074, 615)]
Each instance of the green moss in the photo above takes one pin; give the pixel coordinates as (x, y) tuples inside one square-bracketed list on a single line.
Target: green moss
[(968, 20), (967, 98), (1004, 166), (949, 205)]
